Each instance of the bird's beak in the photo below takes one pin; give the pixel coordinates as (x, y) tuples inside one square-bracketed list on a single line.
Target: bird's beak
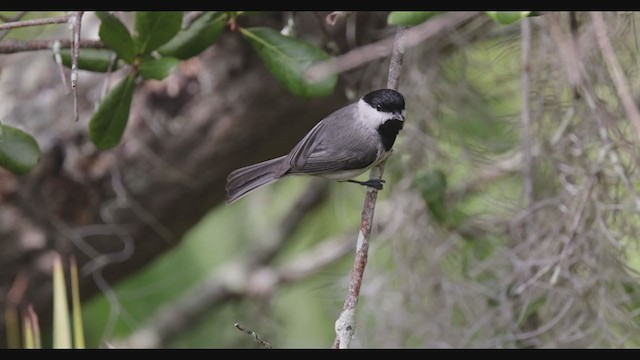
[(399, 116)]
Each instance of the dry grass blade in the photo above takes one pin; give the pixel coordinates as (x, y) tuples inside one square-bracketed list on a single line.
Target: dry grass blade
[(78, 329), (61, 325)]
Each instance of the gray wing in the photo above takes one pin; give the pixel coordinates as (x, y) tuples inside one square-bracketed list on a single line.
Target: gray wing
[(325, 150), (327, 162)]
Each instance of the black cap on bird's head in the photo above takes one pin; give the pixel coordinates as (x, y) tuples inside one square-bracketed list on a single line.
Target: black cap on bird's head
[(385, 100)]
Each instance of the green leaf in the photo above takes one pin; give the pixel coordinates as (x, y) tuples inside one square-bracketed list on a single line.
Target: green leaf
[(157, 68), (108, 123), (19, 151), (116, 36), (196, 38), (507, 17), (288, 58), (155, 28), (97, 60), (410, 18), (61, 324)]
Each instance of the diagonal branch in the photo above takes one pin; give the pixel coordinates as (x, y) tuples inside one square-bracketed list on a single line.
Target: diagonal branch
[(16, 46), (35, 22), (527, 144), (249, 274), (76, 23), (234, 280), (345, 325), (255, 336), (615, 71), (383, 48), (19, 16)]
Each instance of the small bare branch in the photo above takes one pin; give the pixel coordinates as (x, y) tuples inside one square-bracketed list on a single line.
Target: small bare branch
[(492, 172), (15, 46), (107, 78), (619, 80), (382, 48), (58, 59), (255, 336), (345, 325), (18, 16), (76, 23), (395, 65), (567, 49), (527, 143), (315, 259), (35, 22)]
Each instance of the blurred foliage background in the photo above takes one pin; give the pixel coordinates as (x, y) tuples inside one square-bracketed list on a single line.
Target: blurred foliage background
[(461, 255)]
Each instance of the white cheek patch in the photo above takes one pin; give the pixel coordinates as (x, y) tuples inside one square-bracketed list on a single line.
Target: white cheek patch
[(371, 117)]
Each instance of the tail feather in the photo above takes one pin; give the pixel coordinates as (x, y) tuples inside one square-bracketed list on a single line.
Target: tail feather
[(244, 180)]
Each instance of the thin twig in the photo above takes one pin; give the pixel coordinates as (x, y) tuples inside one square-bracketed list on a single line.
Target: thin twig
[(526, 113), (383, 48), (486, 175), (255, 336), (619, 80), (614, 155), (76, 24), (572, 60), (107, 78), (58, 59), (15, 46), (567, 49), (395, 65), (18, 16), (315, 259), (35, 22), (345, 325)]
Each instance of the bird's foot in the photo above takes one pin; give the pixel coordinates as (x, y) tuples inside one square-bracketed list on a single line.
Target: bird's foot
[(376, 183)]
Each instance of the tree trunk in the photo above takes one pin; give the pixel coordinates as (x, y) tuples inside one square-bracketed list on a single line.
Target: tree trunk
[(117, 210)]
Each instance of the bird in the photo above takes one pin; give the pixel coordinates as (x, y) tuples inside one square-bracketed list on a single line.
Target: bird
[(342, 146)]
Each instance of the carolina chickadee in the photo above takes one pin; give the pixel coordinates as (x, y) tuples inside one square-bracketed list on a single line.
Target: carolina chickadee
[(341, 146)]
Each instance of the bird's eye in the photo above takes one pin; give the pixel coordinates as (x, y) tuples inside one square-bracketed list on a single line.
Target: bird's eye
[(378, 107)]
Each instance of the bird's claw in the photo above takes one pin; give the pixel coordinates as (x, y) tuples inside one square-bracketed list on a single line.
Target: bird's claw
[(375, 183)]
